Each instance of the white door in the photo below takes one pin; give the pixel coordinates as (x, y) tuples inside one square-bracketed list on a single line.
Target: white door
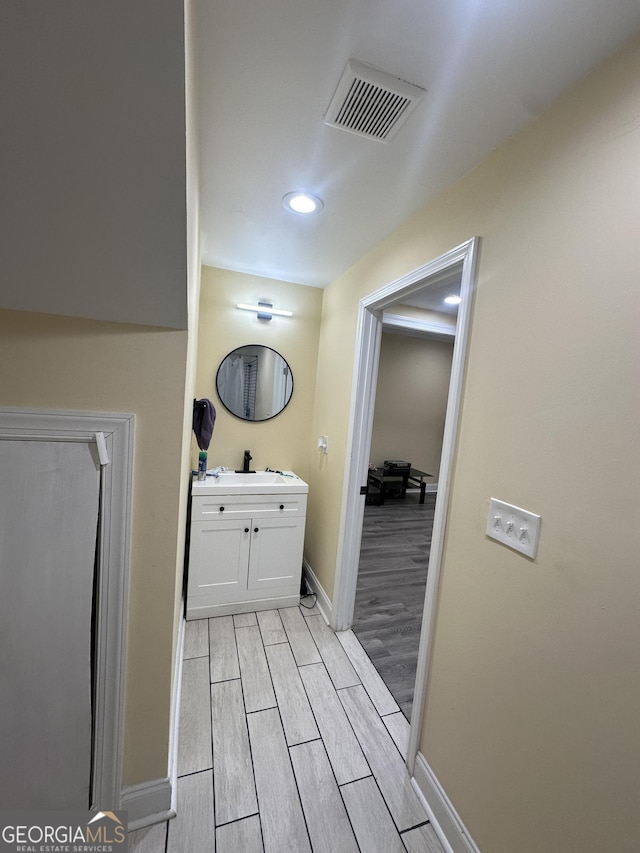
[(49, 503)]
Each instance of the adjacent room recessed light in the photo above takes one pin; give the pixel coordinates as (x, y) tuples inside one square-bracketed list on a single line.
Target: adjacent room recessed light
[(453, 300), (302, 203)]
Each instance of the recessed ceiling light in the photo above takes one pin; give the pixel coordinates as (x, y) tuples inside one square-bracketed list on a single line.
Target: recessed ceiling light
[(302, 203), (453, 300)]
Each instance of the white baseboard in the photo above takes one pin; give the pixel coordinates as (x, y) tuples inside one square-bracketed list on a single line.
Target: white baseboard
[(445, 819), (322, 599), (208, 611), (147, 803)]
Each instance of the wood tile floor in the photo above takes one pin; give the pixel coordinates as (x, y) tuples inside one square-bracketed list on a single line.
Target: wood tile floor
[(392, 578), (289, 741)]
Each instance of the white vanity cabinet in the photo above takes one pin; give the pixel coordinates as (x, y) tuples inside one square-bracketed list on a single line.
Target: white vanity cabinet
[(246, 545)]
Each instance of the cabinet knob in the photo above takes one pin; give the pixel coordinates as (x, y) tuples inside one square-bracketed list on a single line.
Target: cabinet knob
[(221, 509), (246, 530), (281, 506), (255, 529)]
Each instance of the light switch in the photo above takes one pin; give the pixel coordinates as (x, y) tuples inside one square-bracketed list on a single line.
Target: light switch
[(323, 443), (515, 527)]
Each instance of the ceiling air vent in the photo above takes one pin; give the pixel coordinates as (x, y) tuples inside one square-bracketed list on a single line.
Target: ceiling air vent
[(371, 103)]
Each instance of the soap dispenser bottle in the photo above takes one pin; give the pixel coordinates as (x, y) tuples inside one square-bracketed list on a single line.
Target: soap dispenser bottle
[(202, 465)]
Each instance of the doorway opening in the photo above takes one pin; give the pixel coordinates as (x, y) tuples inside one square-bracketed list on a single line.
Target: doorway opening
[(412, 390), (461, 259)]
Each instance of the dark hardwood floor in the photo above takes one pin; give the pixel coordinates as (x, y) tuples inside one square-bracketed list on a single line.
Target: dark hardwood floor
[(392, 576)]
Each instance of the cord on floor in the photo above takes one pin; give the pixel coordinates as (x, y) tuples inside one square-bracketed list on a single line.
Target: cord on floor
[(313, 603)]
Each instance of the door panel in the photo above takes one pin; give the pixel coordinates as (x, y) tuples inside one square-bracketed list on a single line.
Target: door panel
[(49, 503)]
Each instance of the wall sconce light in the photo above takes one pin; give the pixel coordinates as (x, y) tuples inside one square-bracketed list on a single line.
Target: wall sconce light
[(265, 310)]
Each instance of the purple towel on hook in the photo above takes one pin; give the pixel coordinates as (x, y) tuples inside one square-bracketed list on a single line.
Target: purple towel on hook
[(204, 418)]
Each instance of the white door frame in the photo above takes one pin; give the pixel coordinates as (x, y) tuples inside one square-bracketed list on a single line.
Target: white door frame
[(367, 352), (115, 457)]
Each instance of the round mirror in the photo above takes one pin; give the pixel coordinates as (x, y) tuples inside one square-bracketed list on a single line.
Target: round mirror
[(254, 383)]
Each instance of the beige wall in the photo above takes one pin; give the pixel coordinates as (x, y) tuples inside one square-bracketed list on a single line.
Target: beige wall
[(534, 697), (52, 362), (411, 401), (331, 410), (286, 441)]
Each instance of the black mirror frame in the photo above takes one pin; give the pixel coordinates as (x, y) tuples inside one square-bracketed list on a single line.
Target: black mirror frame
[(235, 414)]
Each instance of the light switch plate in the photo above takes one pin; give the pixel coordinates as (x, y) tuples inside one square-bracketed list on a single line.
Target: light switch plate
[(515, 527)]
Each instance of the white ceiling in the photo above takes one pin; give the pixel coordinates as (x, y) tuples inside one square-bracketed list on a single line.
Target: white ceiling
[(267, 70), (432, 296)]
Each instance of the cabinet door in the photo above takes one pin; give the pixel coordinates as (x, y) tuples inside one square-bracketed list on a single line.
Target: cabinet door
[(276, 554), (218, 559)]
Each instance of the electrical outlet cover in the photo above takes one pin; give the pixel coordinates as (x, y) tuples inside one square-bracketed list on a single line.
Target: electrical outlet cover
[(515, 527)]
